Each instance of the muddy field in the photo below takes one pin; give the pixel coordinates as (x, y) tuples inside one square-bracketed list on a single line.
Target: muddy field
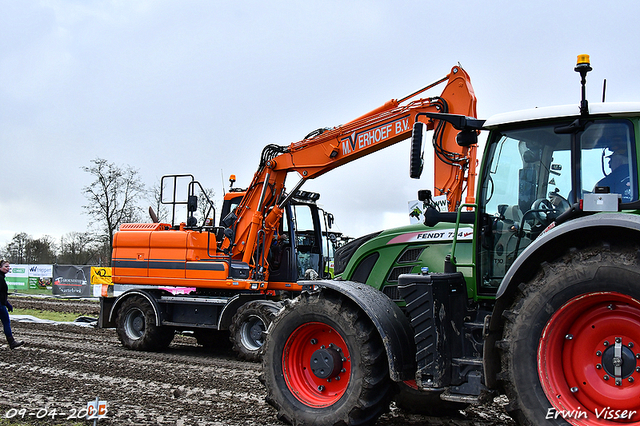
[(62, 367)]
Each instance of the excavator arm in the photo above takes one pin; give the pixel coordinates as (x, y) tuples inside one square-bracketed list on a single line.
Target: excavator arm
[(259, 213)]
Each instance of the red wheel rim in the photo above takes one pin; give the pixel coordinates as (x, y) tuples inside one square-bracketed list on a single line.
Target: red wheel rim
[(304, 346), (589, 360)]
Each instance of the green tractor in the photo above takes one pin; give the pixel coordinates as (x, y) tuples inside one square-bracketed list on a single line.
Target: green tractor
[(532, 291)]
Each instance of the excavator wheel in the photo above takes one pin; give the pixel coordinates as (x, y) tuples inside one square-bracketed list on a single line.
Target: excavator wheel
[(325, 364), (571, 342), (135, 325), (248, 329)]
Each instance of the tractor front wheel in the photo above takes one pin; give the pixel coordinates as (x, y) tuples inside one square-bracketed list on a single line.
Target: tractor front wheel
[(325, 364)]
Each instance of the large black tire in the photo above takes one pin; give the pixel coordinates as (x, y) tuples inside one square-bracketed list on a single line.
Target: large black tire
[(248, 329), (412, 400), (137, 329), (324, 363), (563, 334)]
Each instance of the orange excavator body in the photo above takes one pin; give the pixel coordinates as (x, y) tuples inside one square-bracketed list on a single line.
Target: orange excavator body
[(164, 255)]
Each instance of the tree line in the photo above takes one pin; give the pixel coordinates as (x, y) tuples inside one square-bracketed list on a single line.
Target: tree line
[(113, 197)]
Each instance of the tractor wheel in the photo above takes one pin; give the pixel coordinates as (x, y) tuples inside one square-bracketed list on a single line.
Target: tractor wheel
[(137, 329), (412, 400), (571, 342), (249, 326), (325, 364)]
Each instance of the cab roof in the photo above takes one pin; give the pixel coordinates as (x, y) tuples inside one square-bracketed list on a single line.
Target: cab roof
[(606, 108)]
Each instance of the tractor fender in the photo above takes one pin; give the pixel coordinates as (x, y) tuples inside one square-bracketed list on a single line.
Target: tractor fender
[(150, 296), (577, 233), (391, 323)]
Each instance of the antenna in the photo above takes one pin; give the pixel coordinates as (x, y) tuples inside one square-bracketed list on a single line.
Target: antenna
[(222, 176), (604, 89)]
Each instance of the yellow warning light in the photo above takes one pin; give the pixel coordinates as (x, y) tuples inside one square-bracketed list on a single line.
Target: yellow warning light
[(232, 178), (583, 59)]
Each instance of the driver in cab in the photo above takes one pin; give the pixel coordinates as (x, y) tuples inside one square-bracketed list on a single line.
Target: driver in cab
[(618, 181)]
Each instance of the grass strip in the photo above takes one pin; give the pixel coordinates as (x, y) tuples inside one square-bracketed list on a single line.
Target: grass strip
[(47, 315)]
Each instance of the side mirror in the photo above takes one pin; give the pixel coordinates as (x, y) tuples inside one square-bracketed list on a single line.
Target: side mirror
[(330, 220), (424, 195), (192, 203), (417, 150), (229, 220), (228, 232), (467, 138)]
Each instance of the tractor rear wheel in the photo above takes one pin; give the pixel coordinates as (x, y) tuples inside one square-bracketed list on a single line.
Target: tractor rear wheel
[(325, 364), (571, 343)]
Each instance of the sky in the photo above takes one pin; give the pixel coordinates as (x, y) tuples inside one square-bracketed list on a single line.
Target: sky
[(200, 87)]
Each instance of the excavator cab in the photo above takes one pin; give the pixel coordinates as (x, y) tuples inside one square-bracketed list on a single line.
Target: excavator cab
[(298, 249)]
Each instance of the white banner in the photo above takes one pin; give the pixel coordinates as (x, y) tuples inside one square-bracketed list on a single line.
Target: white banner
[(41, 271)]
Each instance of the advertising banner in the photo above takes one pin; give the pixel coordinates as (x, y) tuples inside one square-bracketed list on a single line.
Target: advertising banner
[(18, 278), (70, 280), (40, 277), (30, 278), (100, 275)]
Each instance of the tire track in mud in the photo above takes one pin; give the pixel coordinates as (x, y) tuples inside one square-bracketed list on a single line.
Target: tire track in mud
[(62, 367), (172, 387)]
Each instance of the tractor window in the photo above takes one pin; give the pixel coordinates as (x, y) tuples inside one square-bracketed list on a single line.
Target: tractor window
[(608, 158), (525, 186)]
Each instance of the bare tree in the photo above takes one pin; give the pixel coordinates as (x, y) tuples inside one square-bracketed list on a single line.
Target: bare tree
[(80, 248), (204, 208), (112, 197), (24, 249), (41, 250), (15, 250), (156, 202)]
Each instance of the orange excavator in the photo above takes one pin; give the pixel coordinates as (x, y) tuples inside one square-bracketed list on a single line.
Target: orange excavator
[(269, 235)]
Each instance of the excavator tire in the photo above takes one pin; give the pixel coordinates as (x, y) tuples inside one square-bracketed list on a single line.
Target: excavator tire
[(135, 325), (248, 329), (571, 341), (325, 364)]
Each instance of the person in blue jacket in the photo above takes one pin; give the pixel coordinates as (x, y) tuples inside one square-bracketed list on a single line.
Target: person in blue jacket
[(5, 306)]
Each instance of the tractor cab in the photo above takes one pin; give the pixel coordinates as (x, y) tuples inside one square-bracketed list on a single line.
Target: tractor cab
[(538, 171)]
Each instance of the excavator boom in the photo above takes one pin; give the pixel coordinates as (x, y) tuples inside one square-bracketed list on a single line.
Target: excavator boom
[(260, 211)]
